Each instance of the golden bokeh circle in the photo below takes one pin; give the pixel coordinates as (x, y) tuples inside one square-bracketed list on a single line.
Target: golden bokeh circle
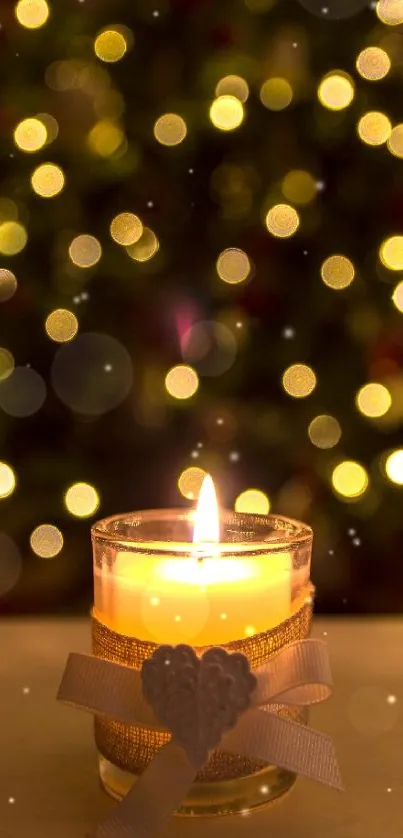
[(82, 500), (282, 221), (170, 129), (233, 85), (252, 501), (397, 296), (299, 381), (110, 45), (395, 141), (226, 113), (126, 228), (391, 253), (190, 481), (373, 400), (7, 363), (336, 91), (373, 63), (8, 285), (85, 251), (374, 128), (145, 248), (30, 135), (394, 467), (105, 138), (350, 479), (324, 431), (47, 180), (181, 381), (32, 13), (13, 238), (233, 265), (61, 325), (276, 94), (337, 272), (299, 187), (8, 480), (390, 12), (46, 541)]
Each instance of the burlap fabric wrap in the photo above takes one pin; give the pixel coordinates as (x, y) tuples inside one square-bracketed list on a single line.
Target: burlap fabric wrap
[(131, 748)]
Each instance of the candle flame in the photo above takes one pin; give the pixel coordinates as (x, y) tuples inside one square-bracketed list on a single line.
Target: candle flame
[(207, 524)]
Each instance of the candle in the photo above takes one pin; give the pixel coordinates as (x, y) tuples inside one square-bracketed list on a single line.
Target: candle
[(205, 594)]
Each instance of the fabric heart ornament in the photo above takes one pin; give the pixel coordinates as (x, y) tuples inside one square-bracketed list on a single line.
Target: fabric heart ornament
[(197, 699)]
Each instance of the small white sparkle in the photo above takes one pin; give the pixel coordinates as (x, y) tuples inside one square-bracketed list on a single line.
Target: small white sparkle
[(17, 54), (191, 171), (391, 699), (288, 333), (324, 634), (373, 4), (199, 445), (223, 616), (331, 552), (195, 454), (108, 367), (177, 618), (264, 789), (11, 155), (234, 456), (76, 300), (295, 44), (26, 690), (239, 324), (167, 663), (150, 204), (305, 253), (85, 295), (11, 800), (220, 421), (388, 790), (245, 813), (356, 542), (351, 531), (156, 13), (325, 10), (320, 185)]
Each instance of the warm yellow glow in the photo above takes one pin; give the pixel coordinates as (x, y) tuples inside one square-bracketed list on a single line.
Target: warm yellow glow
[(324, 431), (207, 522), (226, 113), (253, 501), (82, 500), (397, 296), (110, 45), (390, 11), (8, 210), (350, 479), (390, 253), (282, 221), (61, 325), (395, 141), (7, 480), (145, 248), (299, 381), (276, 94), (46, 541), (30, 135), (299, 187), (47, 180), (13, 238), (190, 482), (337, 272), (181, 381), (170, 129), (233, 265), (233, 86), (7, 363), (373, 63), (105, 138), (373, 400), (8, 284), (394, 466), (126, 228), (32, 13), (336, 91), (85, 251), (374, 128)]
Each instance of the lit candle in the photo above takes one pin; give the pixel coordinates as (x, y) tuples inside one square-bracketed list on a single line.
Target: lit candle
[(171, 593)]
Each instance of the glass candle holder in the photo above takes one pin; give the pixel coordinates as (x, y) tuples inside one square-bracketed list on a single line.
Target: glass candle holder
[(249, 593)]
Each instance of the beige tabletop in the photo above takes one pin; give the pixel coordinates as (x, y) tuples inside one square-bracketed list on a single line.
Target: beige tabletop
[(48, 772)]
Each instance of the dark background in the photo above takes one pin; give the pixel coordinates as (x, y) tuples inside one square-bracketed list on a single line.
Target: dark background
[(134, 453)]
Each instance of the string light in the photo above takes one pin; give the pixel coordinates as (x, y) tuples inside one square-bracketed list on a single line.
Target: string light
[(395, 141), (299, 187), (8, 284), (226, 113), (82, 500), (8, 480), (105, 138), (61, 325), (13, 238), (350, 479), (337, 272), (110, 45), (46, 541), (85, 251), (7, 363), (126, 228), (32, 13), (374, 128), (336, 91), (190, 481), (391, 253), (299, 381), (324, 431), (373, 400), (397, 296), (47, 180), (373, 63), (146, 247), (182, 381), (30, 135), (390, 12), (394, 467), (170, 129), (276, 94), (282, 221), (252, 501), (233, 265), (233, 86)]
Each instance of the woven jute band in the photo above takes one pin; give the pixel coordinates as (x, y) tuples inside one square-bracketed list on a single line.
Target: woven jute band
[(132, 748)]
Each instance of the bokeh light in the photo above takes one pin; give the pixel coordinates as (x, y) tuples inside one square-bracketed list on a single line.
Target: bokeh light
[(324, 431), (30, 135), (13, 238), (46, 541), (22, 393), (32, 13), (61, 325), (282, 221), (226, 113), (8, 285), (85, 251), (233, 86), (299, 381), (170, 129), (276, 94), (397, 296), (394, 466), (110, 45), (390, 253), (126, 228), (334, 9), (145, 248), (299, 187), (390, 12), (105, 138), (10, 564), (350, 479), (374, 128), (7, 480), (47, 180), (336, 91), (373, 400), (373, 63), (82, 500), (210, 346), (337, 272), (395, 141), (182, 381), (253, 501), (190, 481), (233, 265), (7, 363)]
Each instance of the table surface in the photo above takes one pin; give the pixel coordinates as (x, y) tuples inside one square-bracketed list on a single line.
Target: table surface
[(48, 771)]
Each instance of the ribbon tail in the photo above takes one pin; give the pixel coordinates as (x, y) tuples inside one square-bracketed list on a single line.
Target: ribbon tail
[(265, 736), (154, 797)]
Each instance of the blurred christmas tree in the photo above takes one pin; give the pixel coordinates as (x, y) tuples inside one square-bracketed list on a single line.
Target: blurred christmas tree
[(201, 238)]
